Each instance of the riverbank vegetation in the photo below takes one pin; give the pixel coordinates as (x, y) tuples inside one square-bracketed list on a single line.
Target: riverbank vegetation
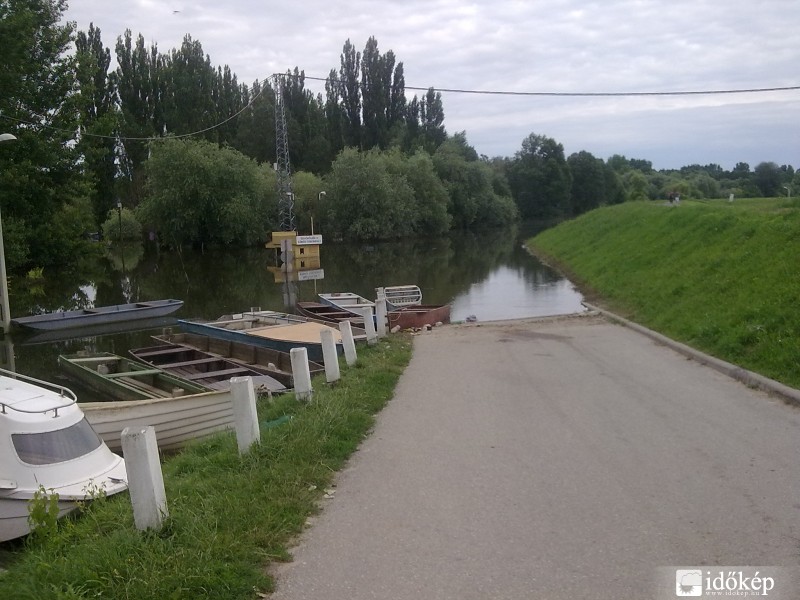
[(722, 277), (229, 516), (90, 137)]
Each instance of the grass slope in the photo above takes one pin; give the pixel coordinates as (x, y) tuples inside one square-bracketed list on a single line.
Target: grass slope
[(229, 516), (721, 277)]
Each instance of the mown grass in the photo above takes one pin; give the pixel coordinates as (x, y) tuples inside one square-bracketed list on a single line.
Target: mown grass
[(721, 277), (229, 516)]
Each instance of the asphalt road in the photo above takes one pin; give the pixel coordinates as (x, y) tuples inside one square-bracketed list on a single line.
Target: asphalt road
[(568, 458)]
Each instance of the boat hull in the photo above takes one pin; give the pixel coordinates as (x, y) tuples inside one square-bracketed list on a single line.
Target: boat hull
[(272, 362), (416, 317), (210, 371), (279, 337), (176, 421), (101, 315)]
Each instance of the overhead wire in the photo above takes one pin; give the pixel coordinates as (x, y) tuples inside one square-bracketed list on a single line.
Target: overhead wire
[(708, 92)]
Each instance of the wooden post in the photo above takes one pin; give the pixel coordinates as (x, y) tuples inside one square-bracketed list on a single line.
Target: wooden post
[(145, 480), (329, 355), (245, 417), (348, 342), (301, 373)]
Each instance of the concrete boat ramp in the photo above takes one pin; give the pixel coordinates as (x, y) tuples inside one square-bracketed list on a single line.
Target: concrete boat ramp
[(563, 458)]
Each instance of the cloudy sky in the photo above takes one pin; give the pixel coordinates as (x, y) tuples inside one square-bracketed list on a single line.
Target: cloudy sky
[(573, 46)]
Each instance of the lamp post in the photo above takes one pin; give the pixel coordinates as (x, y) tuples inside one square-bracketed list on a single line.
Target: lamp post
[(119, 214), (4, 137), (319, 199), (788, 191)]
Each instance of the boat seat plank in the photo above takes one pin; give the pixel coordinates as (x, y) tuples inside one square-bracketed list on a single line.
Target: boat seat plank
[(189, 363), (170, 350), (134, 373), (222, 373)]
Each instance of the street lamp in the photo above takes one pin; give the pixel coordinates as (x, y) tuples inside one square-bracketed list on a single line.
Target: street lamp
[(788, 191), (4, 137), (319, 199)]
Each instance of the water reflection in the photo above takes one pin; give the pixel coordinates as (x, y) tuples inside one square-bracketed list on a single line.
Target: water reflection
[(489, 275)]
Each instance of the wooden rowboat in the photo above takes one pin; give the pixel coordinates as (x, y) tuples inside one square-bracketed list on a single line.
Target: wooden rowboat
[(210, 371), (267, 360), (100, 315)]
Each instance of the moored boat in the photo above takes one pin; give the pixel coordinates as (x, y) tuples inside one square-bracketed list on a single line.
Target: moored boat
[(416, 317), (100, 315), (280, 331), (399, 296), (47, 443), (348, 302), (120, 378), (210, 371), (328, 313), (268, 360)]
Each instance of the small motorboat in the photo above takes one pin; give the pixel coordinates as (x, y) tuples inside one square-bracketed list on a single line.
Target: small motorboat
[(46, 442)]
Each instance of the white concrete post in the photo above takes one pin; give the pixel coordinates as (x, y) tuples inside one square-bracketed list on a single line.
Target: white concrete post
[(301, 373), (369, 325), (348, 342), (245, 417), (145, 480), (380, 315), (329, 355)]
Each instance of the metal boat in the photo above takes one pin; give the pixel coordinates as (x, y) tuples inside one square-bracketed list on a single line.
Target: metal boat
[(100, 315)]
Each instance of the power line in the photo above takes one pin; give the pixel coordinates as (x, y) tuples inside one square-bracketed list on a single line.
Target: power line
[(591, 94), (442, 90)]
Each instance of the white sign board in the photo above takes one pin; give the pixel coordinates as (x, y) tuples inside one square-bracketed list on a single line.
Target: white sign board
[(311, 274), (308, 240)]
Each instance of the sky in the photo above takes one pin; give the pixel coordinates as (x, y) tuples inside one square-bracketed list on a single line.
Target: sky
[(527, 46)]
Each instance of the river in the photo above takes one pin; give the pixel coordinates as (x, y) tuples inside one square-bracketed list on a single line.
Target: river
[(489, 276)]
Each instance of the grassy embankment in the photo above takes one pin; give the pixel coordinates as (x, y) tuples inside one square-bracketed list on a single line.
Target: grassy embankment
[(721, 277), (229, 516)]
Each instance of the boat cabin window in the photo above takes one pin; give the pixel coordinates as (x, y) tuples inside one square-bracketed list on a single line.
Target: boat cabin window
[(56, 446)]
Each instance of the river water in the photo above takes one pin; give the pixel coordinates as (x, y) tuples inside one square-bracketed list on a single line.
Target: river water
[(489, 276)]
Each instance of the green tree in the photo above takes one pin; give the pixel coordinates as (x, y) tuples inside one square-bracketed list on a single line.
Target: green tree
[(767, 176), (201, 194), (98, 118), (540, 179), (350, 92), (366, 200), (588, 182), (46, 211)]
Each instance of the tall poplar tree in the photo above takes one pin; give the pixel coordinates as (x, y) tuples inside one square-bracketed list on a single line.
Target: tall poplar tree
[(98, 118)]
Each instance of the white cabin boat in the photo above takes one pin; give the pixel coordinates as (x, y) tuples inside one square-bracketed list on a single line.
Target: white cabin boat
[(46, 441)]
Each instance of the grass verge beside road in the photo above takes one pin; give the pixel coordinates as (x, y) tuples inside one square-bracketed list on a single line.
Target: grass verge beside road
[(721, 277), (229, 516)]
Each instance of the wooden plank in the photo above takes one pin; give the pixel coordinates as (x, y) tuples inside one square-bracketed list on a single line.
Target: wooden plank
[(134, 373), (216, 374)]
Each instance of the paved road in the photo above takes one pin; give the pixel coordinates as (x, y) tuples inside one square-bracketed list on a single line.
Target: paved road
[(559, 459)]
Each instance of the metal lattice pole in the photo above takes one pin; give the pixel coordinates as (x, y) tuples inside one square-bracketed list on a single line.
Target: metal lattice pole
[(283, 169)]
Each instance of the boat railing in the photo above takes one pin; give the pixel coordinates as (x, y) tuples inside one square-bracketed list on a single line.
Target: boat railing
[(64, 392)]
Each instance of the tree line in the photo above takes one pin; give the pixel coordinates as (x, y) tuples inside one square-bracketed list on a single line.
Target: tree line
[(98, 146)]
